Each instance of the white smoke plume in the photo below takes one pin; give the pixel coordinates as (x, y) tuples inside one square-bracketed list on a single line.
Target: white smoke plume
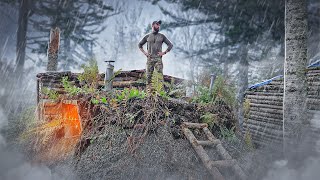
[(309, 167)]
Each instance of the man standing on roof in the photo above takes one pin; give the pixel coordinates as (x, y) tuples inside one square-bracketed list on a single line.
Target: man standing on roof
[(154, 52)]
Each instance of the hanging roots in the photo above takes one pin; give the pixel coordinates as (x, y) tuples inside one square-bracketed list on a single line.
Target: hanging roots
[(154, 114), (137, 117)]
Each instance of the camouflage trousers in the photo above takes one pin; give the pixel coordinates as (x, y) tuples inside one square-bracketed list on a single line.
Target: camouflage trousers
[(153, 64)]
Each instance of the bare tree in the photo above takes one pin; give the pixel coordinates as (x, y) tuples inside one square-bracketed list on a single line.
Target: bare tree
[(24, 14)]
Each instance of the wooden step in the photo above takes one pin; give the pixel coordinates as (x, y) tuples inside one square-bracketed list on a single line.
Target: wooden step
[(202, 154), (208, 143), (194, 125), (212, 166), (223, 163)]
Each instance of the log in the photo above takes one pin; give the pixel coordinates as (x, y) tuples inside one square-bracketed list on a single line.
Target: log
[(235, 167), (125, 79), (52, 85), (269, 87), (313, 107), (313, 88), (209, 135), (195, 125), (256, 130), (313, 97), (313, 71), (267, 98), (124, 84), (50, 81), (265, 102), (267, 139), (313, 78), (264, 94), (263, 131), (202, 154), (168, 79), (266, 91), (313, 74), (209, 143), (223, 163), (225, 155), (267, 119), (265, 106), (266, 142), (313, 101), (264, 114), (261, 120), (260, 142), (317, 84), (55, 74), (59, 90), (314, 93), (276, 82), (267, 110), (264, 124), (130, 74)]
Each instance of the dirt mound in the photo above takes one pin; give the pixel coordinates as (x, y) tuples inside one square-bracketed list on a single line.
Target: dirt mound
[(159, 157), (141, 139)]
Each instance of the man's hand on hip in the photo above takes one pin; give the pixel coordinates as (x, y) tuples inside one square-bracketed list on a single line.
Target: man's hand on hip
[(147, 54), (161, 53)]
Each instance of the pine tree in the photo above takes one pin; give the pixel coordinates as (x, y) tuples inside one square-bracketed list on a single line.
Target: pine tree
[(79, 22)]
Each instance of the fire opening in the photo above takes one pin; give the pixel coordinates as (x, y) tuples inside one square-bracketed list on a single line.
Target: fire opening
[(60, 130)]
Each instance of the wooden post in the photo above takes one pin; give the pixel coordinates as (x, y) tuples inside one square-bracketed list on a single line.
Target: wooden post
[(53, 49)]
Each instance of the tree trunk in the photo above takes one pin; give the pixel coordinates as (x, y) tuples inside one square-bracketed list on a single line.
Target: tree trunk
[(295, 85), (243, 81), (22, 35), (67, 53), (53, 49), (226, 62)]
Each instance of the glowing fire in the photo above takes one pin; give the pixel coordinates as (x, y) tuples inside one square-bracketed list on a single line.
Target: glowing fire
[(63, 120)]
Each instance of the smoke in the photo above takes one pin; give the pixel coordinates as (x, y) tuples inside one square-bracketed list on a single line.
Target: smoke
[(14, 165), (307, 169)]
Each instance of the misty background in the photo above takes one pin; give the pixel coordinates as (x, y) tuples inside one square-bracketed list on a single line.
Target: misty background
[(244, 43), (199, 42)]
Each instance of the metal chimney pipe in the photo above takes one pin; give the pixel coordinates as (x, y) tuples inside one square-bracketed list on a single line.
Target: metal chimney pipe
[(108, 76), (213, 77)]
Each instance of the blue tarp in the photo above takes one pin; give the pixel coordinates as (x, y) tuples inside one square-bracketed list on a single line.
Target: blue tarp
[(264, 82), (315, 64)]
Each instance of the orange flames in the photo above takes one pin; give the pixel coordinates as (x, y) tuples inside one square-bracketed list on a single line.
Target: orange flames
[(62, 120)]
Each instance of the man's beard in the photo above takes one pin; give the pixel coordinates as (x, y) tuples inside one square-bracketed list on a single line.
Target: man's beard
[(156, 29)]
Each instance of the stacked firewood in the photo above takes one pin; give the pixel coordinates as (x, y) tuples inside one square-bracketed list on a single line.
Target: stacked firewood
[(264, 117)]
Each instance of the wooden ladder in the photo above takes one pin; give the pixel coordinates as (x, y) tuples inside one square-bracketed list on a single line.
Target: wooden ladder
[(212, 166)]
